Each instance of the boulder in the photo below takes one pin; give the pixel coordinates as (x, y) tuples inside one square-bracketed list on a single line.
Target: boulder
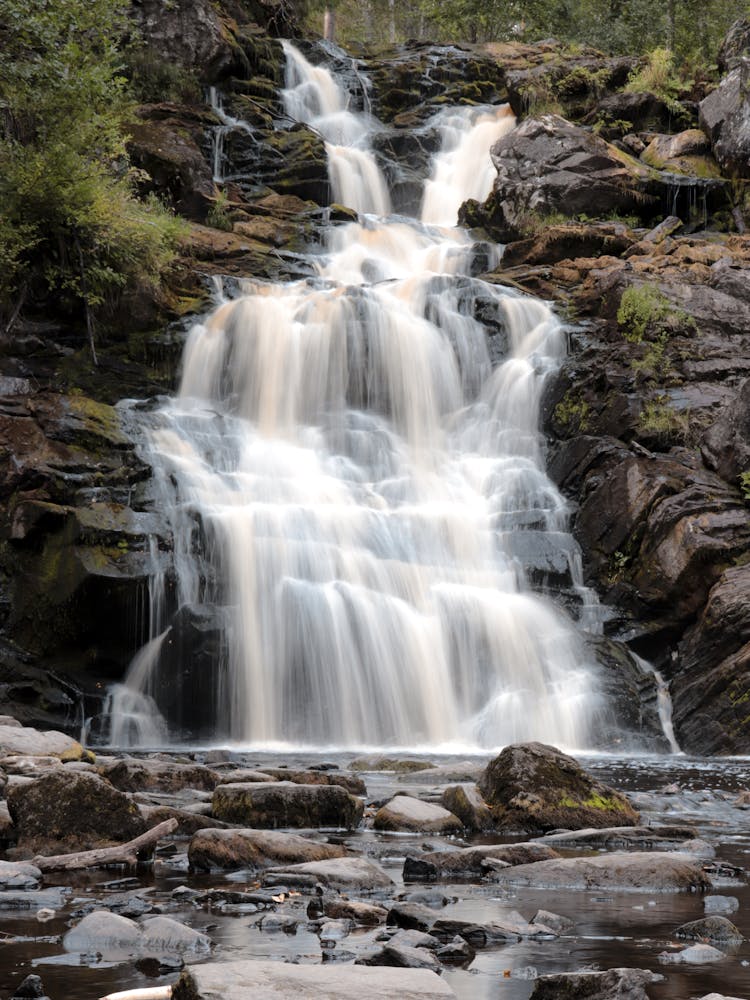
[(649, 871), (72, 811), (401, 956), (210, 849), (343, 874), (31, 988), (19, 875), (151, 774), (284, 804), (735, 45), (725, 118), (720, 904), (726, 443), (549, 166), (406, 813), (696, 954), (714, 930), (466, 802), (365, 914), (16, 739), (353, 783), (472, 861), (688, 152), (610, 985), (109, 934), (535, 788), (401, 765), (260, 980)]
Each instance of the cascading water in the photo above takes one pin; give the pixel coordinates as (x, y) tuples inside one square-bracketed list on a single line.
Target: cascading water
[(349, 477)]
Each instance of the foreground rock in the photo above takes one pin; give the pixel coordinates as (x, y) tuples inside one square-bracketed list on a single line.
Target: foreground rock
[(278, 981), (654, 871), (285, 804), (152, 774), (534, 788), (16, 739), (614, 984), (72, 810), (406, 813), (339, 873), (210, 849)]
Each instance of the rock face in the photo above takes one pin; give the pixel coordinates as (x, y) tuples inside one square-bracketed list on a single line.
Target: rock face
[(210, 849), (534, 788), (72, 811), (261, 980), (725, 118), (282, 803)]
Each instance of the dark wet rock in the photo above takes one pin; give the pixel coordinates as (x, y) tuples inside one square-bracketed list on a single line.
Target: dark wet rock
[(258, 980), (655, 872), (364, 914), (412, 916), (569, 241), (466, 802), (414, 939), (696, 954), (351, 782), (343, 874), (406, 813), (401, 956), (635, 111), (576, 83), (189, 821), (211, 849), (548, 165), (713, 930), (471, 861), (102, 932), (726, 444), (133, 774), (735, 45), (31, 988), (725, 118), (536, 788), (284, 804), (457, 951), (73, 811), (554, 921), (628, 984)]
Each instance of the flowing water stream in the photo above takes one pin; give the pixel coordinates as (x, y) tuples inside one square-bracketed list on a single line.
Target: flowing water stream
[(355, 480)]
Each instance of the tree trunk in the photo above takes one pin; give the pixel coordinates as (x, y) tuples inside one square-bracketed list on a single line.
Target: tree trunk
[(86, 306), (127, 854), (329, 24)]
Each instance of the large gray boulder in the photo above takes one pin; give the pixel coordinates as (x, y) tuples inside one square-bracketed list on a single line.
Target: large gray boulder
[(211, 848), (285, 804), (725, 118), (535, 788), (109, 934), (256, 980), (404, 813)]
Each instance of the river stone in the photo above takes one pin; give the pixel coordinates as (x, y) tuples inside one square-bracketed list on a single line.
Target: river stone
[(262, 980), (283, 803), (468, 861), (150, 774), (16, 739), (401, 956), (535, 788), (720, 904), (366, 914), (406, 813), (102, 932), (353, 783), (77, 811), (244, 775), (554, 921), (212, 848), (654, 871), (624, 836), (716, 930), (466, 802), (19, 875), (696, 954), (400, 765), (337, 873), (614, 984)]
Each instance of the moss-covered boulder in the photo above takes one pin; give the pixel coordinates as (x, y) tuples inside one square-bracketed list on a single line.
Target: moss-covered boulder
[(284, 804), (534, 788)]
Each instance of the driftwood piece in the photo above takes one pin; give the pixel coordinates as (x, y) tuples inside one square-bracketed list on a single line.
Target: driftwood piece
[(124, 854), (149, 993)]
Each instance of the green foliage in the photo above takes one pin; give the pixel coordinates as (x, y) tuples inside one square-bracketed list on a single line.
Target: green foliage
[(744, 481), (658, 420), (643, 310), (153, 79), (70, 225), (218, 215), (657, 76), (573, 412)]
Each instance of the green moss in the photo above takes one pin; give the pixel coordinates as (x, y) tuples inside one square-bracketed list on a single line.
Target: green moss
[(658, 420), (744, 481), (573, 412), (643, 309), (593, 801)]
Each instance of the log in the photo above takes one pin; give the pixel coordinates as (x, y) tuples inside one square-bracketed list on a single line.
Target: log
[(149, 993), (124, 854)]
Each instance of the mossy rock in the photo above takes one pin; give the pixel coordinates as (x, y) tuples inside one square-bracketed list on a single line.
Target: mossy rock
[(534, 788)]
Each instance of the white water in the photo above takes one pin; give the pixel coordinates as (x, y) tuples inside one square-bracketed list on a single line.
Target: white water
[(363, 476)]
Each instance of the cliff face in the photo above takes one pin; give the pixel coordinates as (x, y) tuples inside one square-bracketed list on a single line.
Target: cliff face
[(648, 419)]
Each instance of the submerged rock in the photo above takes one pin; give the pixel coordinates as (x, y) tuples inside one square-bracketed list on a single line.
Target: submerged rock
[(210, 849), (535, 788), (285, 804), (259, 980)]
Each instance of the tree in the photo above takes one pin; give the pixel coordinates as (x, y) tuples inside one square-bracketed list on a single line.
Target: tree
[(71, 228)]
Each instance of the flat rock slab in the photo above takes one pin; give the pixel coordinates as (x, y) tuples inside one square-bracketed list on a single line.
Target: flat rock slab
[(285, 804), (353, 783), (255, 849), (621, 836), (654, 871), (133, 774), (338, 873), (614, 984), (278, 981), (406, 813)]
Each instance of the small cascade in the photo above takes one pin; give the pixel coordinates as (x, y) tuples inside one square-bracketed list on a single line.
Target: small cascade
[(220, 132), (136, 720), (663, 702), (356, 485)]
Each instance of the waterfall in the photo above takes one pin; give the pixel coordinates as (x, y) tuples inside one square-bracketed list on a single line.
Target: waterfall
[(356, 481)]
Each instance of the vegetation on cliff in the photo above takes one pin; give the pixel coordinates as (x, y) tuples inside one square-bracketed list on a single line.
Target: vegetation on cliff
[(71, 230)]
